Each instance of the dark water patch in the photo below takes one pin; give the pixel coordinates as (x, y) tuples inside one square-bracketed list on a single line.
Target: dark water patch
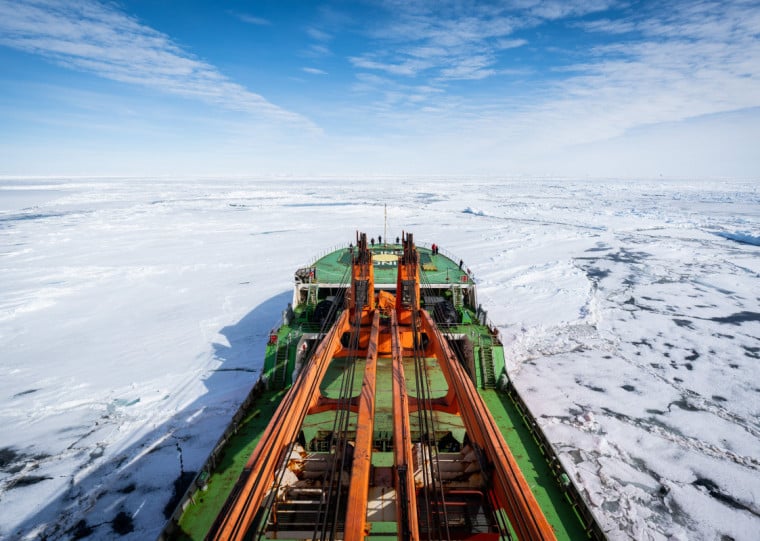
[(721, 335), (327, 204), (733, 365), (13, 460), (28, 480), (30, 216), (576, 455), (22, 393), (685, 323), (654, 421), (693, 357), (738, 318), (80, 530), (655, 412), (668, 345), (689, 366), (643, 342), (714, 490), (652, 299), (130, 488), (741, 238), (427, 197), (719, 398), (752, 352), (97, 453), (684, 405), (8, 457), (595, 273), (253, 370), (273, 232), (629, 388), (628, 256), (181, 484), (122, 524), (657, 366), (474, 212), (630, 300), (600, 247), (592, 387)]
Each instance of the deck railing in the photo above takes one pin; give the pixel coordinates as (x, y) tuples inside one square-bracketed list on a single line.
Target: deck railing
[(342, 246)]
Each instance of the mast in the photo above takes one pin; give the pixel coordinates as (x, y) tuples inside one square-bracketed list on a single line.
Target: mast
[(385, 228)]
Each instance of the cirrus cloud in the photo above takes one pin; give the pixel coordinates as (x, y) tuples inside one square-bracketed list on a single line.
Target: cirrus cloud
[(98, 38)]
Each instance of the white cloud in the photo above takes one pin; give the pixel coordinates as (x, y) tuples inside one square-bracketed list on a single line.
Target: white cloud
[(608, 26), (454, 35), (317, 50), (251, 19), (694, 59), (318, 34), (472, 68), (444, 40), (99, 39), (560, 9), (655, 65), (510, 43), (314, 71), (408, 67)]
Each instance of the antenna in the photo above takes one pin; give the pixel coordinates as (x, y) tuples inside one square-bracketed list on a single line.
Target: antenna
[(385, 229)]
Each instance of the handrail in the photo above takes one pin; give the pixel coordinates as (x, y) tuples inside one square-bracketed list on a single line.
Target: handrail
[(325, 251)]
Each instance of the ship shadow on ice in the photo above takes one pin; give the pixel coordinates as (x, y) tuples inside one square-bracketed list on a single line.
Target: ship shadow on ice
[(247, 337), (130, 494)]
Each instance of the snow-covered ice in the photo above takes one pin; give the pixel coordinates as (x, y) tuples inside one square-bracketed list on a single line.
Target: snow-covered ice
[(133, 317)]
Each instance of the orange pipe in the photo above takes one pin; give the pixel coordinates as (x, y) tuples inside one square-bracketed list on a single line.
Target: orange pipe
[(510, 488), (356, 511), (402, 444), (258, 474)]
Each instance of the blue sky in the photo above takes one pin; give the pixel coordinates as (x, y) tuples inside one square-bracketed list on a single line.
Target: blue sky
[(594, 88)]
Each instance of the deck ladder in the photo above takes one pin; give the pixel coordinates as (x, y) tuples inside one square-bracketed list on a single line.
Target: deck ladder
[(281, 364), (456, 296), (312, 298), (488, 374)]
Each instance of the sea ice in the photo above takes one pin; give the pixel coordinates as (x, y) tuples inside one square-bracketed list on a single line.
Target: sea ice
[(134, 313)]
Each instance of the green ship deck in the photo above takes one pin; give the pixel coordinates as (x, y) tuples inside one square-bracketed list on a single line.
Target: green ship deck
[(442, 277), (438, 269)]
